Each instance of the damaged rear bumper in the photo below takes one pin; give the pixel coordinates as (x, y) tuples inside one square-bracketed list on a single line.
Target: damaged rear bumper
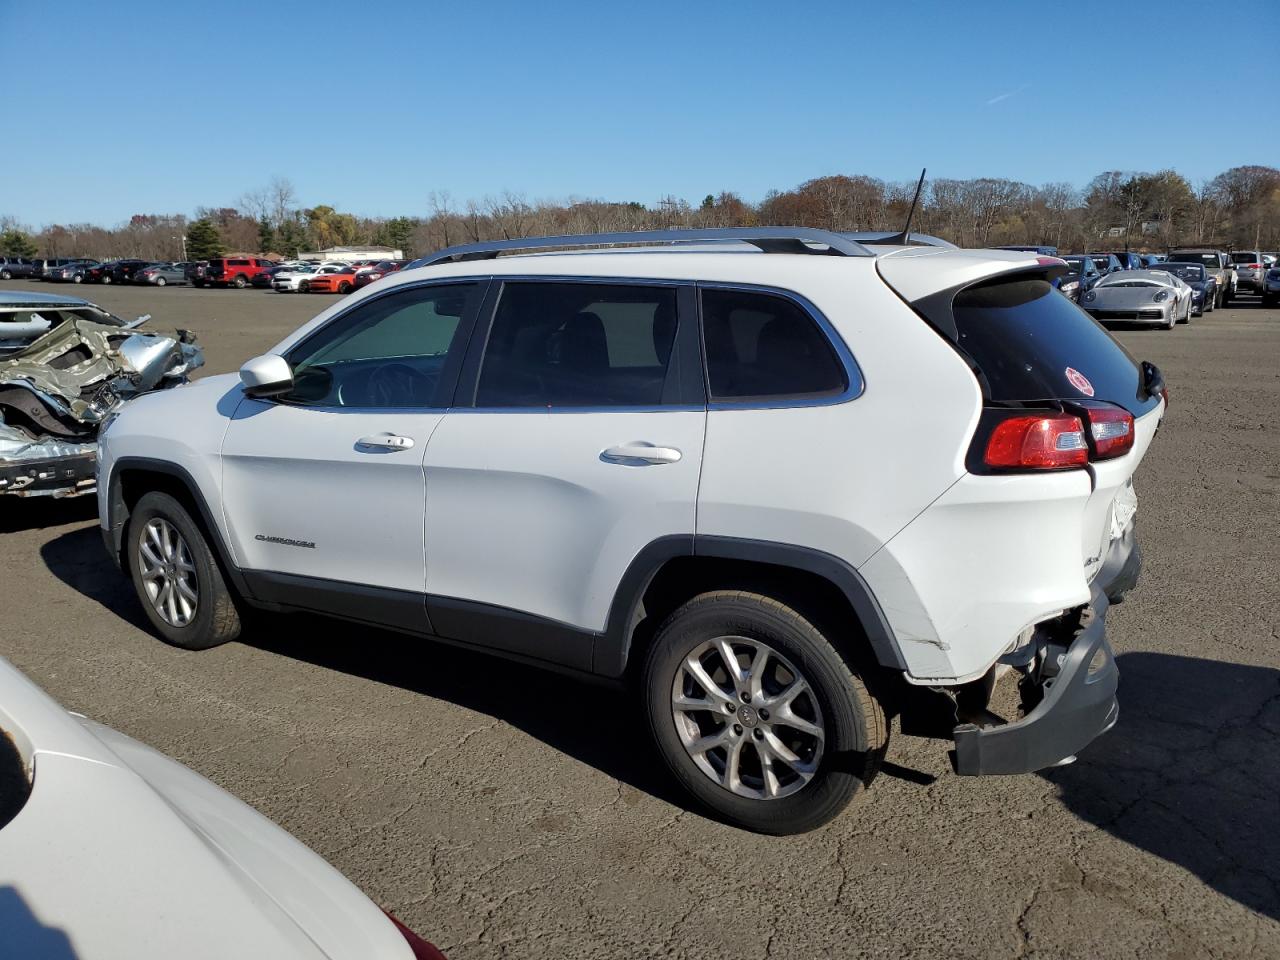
[(1077, 686)]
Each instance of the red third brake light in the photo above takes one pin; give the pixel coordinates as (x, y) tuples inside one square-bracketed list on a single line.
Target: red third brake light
[(1049, 441), (1112, 430)]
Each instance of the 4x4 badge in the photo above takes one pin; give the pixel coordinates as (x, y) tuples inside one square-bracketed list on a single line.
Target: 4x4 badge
[(1080, 381)]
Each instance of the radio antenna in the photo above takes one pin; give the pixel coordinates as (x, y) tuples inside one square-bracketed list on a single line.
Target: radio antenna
[(904, 238)]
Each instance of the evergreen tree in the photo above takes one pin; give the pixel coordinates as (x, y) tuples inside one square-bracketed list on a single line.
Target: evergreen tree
[(266, 236), (15, 243), (204, 242)]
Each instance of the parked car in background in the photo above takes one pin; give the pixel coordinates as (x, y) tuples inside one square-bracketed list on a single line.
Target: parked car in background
[(297, 279), (1149, 260), (1216, 262), (100, 272), (1251, 269), (1107, 262), (1204, 286), (124, 270), (162, 274), (232, 271), (45, 268), (1153, 297), (37, 268), (11, 268), (1271, 286), (70, 271), (1128, 260), (383, 268), (333, 280), (109, 849), (1084, 270)]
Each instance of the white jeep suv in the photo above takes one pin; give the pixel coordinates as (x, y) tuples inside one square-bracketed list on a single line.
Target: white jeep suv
[(776, 477)]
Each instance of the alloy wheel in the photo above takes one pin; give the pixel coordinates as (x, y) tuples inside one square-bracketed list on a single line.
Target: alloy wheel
[(168, 572), (748, 718)]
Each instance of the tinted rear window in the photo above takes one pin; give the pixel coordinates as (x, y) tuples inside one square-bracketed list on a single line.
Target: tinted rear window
[(1024, 337), (1243, 258), (1207, 259)]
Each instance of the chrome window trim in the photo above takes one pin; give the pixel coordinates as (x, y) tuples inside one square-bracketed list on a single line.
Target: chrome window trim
[(855, 381)]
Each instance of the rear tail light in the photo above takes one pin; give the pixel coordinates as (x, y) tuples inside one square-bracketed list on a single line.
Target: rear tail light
[(422, 950), (1049, 441), (1111, 428)]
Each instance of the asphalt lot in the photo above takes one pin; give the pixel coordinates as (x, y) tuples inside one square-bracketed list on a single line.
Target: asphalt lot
[(504, 812)]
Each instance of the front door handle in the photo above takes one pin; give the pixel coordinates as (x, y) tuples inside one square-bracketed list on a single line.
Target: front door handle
[(385, 441), (639, 452)]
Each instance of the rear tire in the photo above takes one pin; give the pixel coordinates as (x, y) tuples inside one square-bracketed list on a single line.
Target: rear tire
[(161, 281), (239, 282), (166, 548), (106, 278), (5, 275), (734, 777)]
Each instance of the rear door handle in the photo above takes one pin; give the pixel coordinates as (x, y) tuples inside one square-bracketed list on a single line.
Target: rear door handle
[(639, 452), (385, 441)]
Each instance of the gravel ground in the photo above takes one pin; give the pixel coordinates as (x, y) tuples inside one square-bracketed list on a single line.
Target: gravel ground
[(505, 812)]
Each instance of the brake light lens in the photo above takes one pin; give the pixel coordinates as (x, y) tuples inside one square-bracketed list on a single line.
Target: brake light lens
[(1051, 441), (422, 949), (1112, 431)]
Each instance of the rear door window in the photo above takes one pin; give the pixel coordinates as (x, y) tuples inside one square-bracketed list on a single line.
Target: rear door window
[(1030, 345), (761, 345), (558, 344)]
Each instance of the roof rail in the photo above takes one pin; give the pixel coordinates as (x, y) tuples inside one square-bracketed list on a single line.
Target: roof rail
[(890, 239), (767, 239)]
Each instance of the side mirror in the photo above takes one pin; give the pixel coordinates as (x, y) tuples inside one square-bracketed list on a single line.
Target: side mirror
[(266, 376)]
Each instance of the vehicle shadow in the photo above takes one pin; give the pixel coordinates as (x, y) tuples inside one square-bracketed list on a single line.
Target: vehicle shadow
[(23, 935), (79, 559), (1191, 773), (34, 513), (546, 705)]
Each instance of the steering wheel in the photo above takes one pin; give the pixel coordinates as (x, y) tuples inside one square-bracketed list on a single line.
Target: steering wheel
[(394, 385)]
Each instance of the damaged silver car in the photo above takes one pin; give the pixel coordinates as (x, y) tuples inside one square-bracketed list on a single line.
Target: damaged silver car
[(65, 366)]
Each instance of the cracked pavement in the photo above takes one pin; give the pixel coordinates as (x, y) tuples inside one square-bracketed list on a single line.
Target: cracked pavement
[(506, 812)]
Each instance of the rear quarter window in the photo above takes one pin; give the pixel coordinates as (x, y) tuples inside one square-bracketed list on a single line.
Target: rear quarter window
[(1023, 338)]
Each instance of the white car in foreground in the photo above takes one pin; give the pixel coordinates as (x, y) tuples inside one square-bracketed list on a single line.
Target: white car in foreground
[(112, 851)]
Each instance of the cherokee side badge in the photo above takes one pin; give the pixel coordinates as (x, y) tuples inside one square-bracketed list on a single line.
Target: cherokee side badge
[(285, 541)]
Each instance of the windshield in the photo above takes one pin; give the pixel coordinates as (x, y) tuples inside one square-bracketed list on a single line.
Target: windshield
[(1190, 272), (1075, 263), (1120, 280), (1209, 260)]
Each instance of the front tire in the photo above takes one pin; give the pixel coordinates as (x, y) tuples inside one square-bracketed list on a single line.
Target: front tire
[(106, 278), (758, 715), (176, 576)]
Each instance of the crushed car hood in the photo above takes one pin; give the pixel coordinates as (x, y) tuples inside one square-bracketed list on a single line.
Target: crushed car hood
[(65, 382)]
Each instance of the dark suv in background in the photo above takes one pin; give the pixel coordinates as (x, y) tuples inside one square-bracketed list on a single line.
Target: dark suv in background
[(1129, 261)]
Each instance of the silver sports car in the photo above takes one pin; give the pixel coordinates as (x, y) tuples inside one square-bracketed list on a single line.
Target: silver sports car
[(1140, 296)]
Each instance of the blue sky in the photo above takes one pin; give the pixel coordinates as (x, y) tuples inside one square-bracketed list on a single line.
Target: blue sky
[(116, 109)]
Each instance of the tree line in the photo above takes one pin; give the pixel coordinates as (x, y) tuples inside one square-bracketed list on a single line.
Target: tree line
[(1239, 208)]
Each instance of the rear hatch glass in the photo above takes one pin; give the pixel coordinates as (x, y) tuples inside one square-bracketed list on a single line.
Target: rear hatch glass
[(1029, 343)]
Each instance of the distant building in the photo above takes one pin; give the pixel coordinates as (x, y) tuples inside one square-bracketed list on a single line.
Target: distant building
[(350, 254)]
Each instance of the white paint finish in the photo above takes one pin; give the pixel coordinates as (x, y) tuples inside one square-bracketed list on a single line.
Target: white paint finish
[(132, 856), (183, 426), (522, 512), (1112, 479), (991, 556), (300, 473), (846, 477)]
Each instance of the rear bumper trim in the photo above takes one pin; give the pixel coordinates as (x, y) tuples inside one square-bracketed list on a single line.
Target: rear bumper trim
[(1078, 705)]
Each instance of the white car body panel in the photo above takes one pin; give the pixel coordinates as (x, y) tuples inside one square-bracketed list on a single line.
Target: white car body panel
[(129, 855), (298, 474), (516, 509), (522, 512)]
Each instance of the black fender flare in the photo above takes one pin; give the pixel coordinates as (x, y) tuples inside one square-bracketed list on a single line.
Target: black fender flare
[(612, 648), (118, 513)]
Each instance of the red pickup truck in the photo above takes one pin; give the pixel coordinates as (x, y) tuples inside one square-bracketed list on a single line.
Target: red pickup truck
[(230, 271)]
